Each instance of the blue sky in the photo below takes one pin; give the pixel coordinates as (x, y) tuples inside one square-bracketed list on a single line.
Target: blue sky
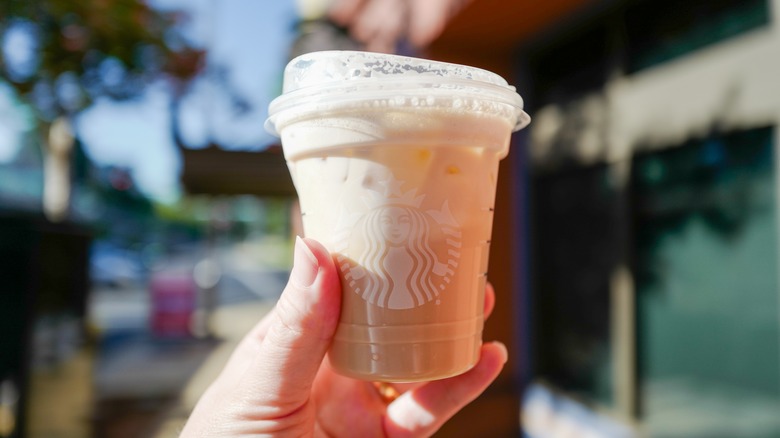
[(15, 121), (249, 37)]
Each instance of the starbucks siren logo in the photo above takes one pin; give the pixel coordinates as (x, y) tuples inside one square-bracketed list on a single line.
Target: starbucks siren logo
[(385, 254)]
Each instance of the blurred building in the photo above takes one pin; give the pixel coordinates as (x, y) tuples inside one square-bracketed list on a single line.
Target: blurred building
[(650, 305)]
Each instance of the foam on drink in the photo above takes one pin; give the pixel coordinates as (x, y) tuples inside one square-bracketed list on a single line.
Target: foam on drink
[(395, 161)]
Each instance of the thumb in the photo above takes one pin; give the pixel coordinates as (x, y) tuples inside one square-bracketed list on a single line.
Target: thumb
[(301, 328)]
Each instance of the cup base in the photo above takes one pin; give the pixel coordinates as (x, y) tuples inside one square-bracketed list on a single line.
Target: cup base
[(405, 362)]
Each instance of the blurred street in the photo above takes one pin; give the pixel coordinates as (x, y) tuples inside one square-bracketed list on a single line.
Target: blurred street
[(134, 383)]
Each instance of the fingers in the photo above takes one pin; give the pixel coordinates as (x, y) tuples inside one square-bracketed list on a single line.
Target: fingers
[(380, 26), (299, 333), (427, 20), (490, 300), (343, 12), (381, 23), (422, 411)]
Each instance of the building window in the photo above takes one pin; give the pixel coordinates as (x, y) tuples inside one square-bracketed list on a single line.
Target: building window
[(577, 219), (661, 30), (706, 274), (568, 67), (699, 224)]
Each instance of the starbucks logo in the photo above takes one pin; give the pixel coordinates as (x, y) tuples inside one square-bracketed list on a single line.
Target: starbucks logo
[(395, 254)]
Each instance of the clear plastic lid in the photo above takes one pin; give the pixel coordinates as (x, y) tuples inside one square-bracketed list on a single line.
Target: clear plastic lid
[(321, 81)]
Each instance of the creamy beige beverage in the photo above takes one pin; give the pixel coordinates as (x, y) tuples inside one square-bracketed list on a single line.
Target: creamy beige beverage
[(395, 162)]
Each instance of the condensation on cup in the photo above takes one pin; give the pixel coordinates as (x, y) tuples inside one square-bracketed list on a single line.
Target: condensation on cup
[(395, 162)]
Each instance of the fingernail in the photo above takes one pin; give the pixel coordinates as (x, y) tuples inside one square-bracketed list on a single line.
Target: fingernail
[(502, 347), (305, 264)]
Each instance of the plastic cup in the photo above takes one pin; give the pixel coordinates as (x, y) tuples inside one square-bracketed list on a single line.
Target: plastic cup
[(395, 162)]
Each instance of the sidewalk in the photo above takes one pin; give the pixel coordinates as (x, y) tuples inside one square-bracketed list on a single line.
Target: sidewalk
[(145, 386)]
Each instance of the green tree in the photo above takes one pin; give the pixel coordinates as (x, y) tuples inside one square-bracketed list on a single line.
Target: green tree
[(61, 55)]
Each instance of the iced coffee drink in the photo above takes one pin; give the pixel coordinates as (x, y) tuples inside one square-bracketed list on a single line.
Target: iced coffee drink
[(395, 161)]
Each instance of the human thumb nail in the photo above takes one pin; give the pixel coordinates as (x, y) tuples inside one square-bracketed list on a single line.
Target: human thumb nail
[(305, 265)]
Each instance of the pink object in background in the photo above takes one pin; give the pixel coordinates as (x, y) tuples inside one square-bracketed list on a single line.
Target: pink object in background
[(173, 302)]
